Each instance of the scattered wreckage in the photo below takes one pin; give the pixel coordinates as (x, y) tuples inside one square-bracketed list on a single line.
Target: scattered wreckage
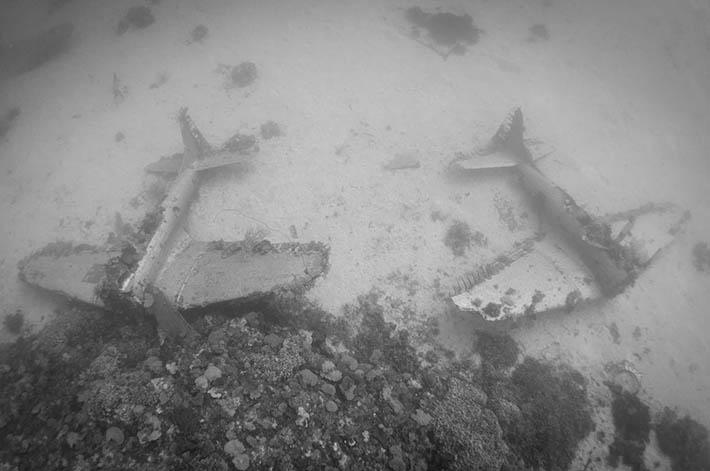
[(581, 259), (174, 272)]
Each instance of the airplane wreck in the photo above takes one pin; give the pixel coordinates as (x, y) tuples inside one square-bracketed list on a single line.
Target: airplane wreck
[(579, 258), (174, 272)]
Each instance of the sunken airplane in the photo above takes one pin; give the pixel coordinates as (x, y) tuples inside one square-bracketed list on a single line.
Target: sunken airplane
[(170, 272), (581, 259)]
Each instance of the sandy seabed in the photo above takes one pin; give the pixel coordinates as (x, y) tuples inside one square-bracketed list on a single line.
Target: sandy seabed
[(620, 89)]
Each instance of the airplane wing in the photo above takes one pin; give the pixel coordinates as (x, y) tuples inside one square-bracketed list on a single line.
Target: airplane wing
[(206, 273), (76, 271), (196, 275), (547, 274)]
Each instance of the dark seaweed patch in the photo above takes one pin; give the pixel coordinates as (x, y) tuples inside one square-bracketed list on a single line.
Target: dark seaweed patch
[(500, 351), (555, 415), (685, 441), (633, 424), (444, 28)]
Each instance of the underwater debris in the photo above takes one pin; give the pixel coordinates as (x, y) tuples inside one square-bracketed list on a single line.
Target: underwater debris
[(243, 75), (240, 143), (160, 80), (269, 130), (402, 160), (538, 32), (119, 90), (138, 17), (632, 421), (198, 33), (684, 440), (458, 238)]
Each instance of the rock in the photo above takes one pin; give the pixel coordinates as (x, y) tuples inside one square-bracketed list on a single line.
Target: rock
[(234, 447), (73, 438), (202, 383), (241, 462), (506, 412), (329, 372), (478, 396), (397, 464), (171, 367), (334, 376), (273, 340), (154, 365), (421, 417), (217, 338), (396, 405), (115, 435), (372, 374), (350, 362), (328, 389), (308, 378), (331, 406), (212, 373)]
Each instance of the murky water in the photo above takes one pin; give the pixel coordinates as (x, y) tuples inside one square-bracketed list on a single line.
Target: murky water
[(372, 107)]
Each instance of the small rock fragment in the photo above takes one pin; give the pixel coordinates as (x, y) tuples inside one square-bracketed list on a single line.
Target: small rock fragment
[(154, 365), (397, 464), (421, 417), (331, 406), (72, 439), (202, 383), (273, 340), (350, 362), (328, 389), (334, 376), (329, 372), (212, 373), (308, 378), (402, 161), (241, 462), (373, 373), (114, 434), (234, 447)]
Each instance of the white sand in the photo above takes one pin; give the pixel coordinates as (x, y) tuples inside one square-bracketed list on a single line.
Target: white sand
[(621, 90)]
